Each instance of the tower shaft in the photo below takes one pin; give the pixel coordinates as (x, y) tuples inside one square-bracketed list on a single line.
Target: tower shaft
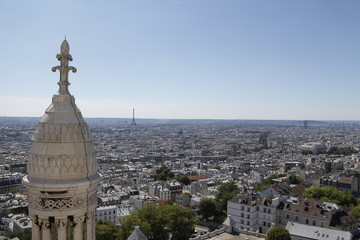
[(133, 123), (62, 175)]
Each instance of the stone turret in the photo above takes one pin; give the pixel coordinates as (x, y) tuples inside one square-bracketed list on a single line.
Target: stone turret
[(62, 175)]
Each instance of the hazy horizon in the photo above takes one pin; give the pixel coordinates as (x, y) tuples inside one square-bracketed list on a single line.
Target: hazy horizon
[(204, 59), (201, 119)]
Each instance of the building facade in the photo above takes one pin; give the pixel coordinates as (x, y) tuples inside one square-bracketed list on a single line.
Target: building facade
[(250, 212)]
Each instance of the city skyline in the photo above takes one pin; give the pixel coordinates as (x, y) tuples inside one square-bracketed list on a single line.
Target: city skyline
[(185, 59)]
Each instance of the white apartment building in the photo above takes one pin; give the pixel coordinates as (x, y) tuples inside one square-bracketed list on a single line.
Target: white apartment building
[(156, 190), (109, 213), (249, 212), (183, 199)]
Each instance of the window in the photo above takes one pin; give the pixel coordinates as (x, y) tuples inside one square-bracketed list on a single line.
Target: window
[(264, 210), (242, 208), (314, 222), (269, 210), (247, 223), (269, 224), (264, 224), (257, 208), (242, 221), (242, 214), (287, 216), (296, 218), (248, 209), (248, 216), (321, 224), (307, 221)]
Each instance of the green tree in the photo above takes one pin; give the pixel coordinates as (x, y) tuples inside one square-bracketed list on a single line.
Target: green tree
[(355, 212), (268, 182), (208, 208), (22, 235), (331, 194), (128, 225), (180, 222), (296, 180), (163, 174), (184, 180), (155, 216), (170, 175), (278, 233), (105, 230), (159, 222), (226, 192)]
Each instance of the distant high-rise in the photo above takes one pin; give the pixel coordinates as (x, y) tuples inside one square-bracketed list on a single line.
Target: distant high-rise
[(133, 123), (62, 175)]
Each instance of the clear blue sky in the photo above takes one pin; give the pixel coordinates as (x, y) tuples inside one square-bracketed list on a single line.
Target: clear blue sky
[(224, 59)]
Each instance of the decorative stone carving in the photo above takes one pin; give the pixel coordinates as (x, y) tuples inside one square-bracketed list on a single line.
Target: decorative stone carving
[(62, 203), (56, 203), (62, 132), (90, 215), (61, 223), (64, 57), (74, 166), (44, 222), (34, 219), (79, 219)]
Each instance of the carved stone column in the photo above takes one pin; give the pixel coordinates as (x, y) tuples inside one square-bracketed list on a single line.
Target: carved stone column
[(78, 233), (45, 227), (90, 225), (35, 234), (61, 224)]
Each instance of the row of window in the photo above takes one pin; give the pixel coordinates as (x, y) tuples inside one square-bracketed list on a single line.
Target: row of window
[(243, 208), (265, 210), (100, 213), (266, 223), (108, 218), (307, 221), (247, 222)]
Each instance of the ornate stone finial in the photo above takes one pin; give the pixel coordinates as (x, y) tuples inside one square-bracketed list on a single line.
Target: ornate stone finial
[(64, 57)]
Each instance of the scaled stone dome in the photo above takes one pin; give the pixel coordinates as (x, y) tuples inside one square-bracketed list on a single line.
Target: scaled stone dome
[(62, 147)]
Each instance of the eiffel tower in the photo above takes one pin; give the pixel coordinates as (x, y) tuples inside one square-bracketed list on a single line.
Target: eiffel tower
[(133, 123)]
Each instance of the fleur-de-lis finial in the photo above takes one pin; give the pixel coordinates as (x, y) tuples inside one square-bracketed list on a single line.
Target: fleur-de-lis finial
[(64, 57)]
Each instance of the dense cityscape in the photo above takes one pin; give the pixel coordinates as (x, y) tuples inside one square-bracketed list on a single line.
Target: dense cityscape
[(274, 166), (180, 120)]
